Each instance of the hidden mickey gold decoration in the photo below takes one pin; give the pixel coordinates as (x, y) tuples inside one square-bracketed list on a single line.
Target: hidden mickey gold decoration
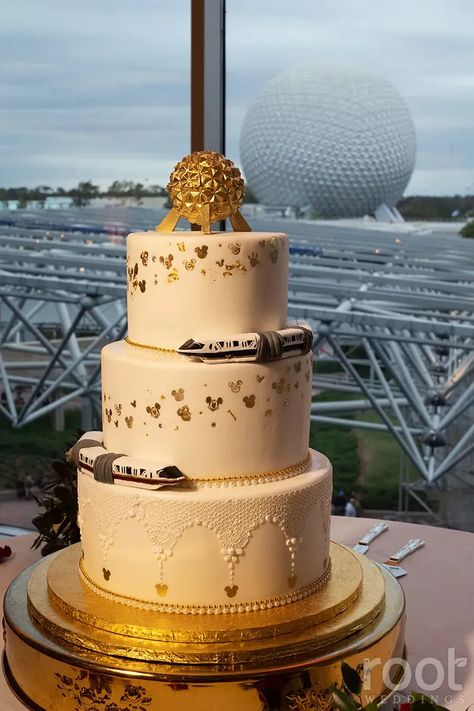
[(205, 187)]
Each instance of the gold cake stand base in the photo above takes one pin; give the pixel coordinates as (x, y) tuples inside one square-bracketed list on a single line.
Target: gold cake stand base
[(68, 649)]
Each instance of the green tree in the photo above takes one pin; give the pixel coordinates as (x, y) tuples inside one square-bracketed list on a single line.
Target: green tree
[(467, 230), (84, 193)]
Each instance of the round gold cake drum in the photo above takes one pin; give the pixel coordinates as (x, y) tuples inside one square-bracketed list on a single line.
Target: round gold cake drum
[(77, 600), (56, 661)]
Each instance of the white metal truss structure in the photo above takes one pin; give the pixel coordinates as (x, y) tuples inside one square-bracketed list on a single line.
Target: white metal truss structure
[(393, 316)]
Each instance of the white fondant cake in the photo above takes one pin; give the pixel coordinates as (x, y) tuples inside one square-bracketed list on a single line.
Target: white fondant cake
[(248, 527), (218, 420), (187, 285), (208, 548)]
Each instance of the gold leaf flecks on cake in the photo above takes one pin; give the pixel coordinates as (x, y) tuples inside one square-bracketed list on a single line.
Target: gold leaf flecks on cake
[(306, 375), (142, 285), (268, 413), (220, 262), (235, 247), (162, 397), (201, 251), (129, 421), (253, 259), (161, 589), (203, 272), (133, 403), (108, 414), (189, 264), (249, 400), (105, 397), (297, 366), (273, 250), (237, 265), (260, 378), (231, 413), (181, 246), (214, 403), (178, 394), (235, 386), (213, 424), (167, 261), (116, 423), (173, 276), (279, 385), (144, 258), (185, 413), (106, 573), (154, 410)]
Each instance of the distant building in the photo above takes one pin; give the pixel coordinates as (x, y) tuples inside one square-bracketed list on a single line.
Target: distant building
[(57, 202)]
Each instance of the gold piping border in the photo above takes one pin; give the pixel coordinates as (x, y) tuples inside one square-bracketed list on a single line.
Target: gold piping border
[(253, 606), (150, 348), (276, 474)]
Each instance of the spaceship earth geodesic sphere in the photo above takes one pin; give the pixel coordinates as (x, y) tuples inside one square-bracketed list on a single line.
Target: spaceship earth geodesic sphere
[(335, 139)]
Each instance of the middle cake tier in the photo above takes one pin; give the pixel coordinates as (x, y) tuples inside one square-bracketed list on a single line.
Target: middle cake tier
[(218, 420)]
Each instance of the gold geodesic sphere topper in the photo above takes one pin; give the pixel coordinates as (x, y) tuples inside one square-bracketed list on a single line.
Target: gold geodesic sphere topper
[(205, 187)]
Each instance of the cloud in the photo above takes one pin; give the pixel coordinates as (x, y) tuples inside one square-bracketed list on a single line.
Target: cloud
[(100, 89)]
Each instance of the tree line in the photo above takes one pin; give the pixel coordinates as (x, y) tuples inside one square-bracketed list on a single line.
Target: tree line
[(83, 192), (433, 209)]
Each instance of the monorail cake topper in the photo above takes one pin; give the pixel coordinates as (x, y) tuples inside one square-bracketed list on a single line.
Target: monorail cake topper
[(89, 455), (205, 187), (253, 347)]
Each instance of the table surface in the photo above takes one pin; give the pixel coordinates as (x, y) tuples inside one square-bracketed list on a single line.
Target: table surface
[(439, 589)]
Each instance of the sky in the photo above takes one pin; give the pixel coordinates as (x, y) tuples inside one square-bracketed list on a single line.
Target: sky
[(99, 89)]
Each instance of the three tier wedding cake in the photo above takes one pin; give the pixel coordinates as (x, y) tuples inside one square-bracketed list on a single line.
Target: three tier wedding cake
[(200, 494)]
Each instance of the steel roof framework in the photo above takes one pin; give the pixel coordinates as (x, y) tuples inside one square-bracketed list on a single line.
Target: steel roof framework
[(393, 313)]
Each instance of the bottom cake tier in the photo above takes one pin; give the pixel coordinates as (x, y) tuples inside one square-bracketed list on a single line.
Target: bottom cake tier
[(208, 549)]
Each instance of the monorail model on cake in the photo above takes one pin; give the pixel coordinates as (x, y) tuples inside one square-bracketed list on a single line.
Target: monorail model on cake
[(252, 347), (94, 460)]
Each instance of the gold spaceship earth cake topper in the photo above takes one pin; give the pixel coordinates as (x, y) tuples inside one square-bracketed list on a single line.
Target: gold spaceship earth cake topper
[(205, 187)]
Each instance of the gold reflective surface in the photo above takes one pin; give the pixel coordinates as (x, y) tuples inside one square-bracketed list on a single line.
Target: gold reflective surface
[(73, 597), (64, 664)]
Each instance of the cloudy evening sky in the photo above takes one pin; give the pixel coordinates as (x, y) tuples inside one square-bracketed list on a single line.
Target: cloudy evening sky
[(100, 88)]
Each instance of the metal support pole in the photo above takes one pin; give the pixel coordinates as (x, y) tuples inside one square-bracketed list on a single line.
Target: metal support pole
[(208, 75)]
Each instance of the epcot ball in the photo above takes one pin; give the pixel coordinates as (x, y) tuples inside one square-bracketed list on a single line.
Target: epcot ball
[(335, 139)]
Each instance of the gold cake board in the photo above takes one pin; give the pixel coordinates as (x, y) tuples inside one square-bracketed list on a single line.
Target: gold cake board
[(66, 648)]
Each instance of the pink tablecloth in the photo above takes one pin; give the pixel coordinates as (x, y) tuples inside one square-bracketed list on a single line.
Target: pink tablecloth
[(439, 589)]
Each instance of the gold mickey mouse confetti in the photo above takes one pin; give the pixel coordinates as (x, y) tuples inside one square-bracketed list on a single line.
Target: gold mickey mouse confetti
[(185, 413), (154, 410)]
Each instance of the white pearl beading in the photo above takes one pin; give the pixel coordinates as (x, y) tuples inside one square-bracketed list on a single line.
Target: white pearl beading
[(253, 606)]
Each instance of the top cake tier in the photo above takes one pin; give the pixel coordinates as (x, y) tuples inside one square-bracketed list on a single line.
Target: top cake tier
[(185, 285)]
